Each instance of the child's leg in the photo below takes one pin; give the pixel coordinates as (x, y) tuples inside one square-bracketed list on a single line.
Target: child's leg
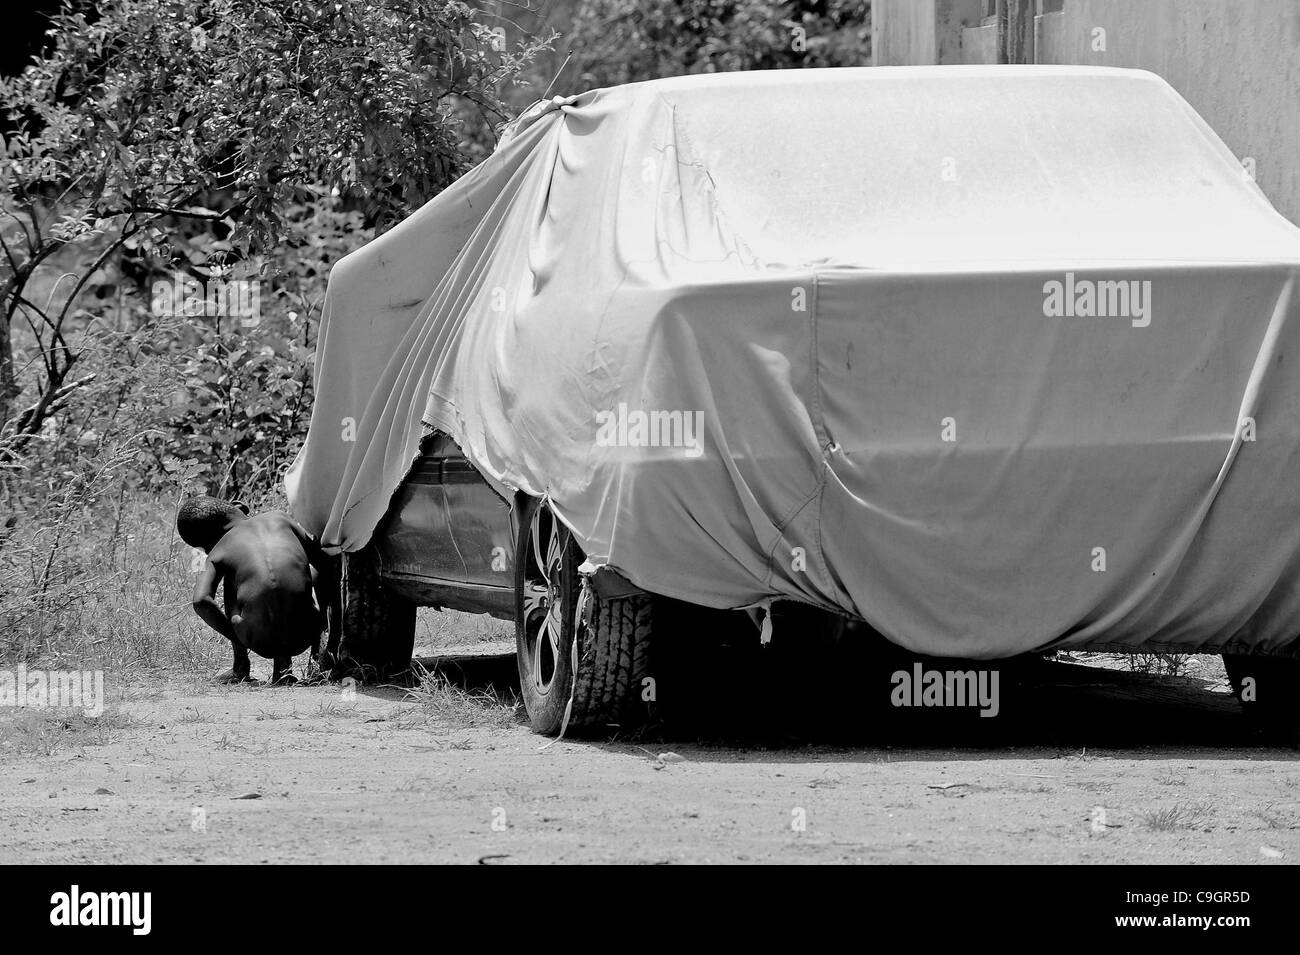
[(309, 639), (239, 671), (321, 606), (238, 637), (282, 674), (313, 659), (325, 597)]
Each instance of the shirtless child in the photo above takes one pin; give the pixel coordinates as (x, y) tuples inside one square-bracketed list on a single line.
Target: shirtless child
[(271, 569)]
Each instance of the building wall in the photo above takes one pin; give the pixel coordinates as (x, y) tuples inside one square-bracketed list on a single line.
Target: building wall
[(920, 32), (1236, 61), (902, 33)]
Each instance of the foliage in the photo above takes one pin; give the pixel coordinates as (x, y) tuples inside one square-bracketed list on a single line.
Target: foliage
[(183, 133), (625, 41), (208, 140)]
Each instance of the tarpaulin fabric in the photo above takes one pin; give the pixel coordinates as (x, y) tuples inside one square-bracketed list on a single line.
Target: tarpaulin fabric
[(993, 358)]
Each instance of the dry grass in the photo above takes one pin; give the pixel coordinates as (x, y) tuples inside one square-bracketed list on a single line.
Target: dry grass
[(1274, 818), (85, 589), (269, 715), (336, 711), (443, 703), (26, 731), (1178, 816)]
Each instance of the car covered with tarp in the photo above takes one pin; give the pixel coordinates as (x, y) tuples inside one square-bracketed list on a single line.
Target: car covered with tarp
[(996, 360)]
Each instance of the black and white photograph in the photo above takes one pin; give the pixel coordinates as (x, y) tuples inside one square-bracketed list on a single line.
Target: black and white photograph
[(651, 432)]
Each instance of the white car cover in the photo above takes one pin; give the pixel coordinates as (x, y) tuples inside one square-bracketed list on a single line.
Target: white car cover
[(994, 358)]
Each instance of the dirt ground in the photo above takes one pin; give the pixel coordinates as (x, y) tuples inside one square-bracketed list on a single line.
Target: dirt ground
[(1087, 764)]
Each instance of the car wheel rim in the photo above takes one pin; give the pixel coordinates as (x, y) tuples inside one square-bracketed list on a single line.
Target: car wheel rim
[(544, 598)]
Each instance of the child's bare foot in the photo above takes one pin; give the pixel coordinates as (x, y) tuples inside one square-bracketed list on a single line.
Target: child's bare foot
[(233, 675)]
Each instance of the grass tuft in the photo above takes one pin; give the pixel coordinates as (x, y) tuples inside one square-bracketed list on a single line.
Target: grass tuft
[(29, 731), (443, 703), (1178, 816)]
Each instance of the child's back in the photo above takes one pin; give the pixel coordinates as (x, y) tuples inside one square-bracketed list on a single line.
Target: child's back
[(269, 568), (268, 585)]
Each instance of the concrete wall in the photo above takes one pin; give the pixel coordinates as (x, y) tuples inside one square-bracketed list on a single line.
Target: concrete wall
[(980, 44), (1236, 61), (919, 32)]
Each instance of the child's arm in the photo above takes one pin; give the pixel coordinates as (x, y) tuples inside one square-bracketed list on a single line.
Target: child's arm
[(205, 602), (309, 541), (323, 579)]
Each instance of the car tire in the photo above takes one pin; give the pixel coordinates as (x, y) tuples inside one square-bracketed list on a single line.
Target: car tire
[(1271, 702), (376, 627), (561, 625)]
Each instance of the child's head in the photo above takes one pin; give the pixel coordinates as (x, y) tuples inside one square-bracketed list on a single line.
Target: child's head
[(203, 521)]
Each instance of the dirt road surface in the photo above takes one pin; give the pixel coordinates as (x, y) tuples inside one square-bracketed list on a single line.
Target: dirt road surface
[(1086, 765)]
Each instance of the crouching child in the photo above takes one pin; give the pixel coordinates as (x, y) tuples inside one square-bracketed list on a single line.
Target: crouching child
[(273, 575)]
